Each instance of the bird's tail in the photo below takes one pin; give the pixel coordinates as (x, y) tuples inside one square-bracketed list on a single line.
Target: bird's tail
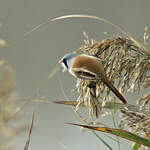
[(114, 90)]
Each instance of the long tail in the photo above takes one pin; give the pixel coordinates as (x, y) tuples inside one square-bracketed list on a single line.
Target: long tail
[(114, 90)]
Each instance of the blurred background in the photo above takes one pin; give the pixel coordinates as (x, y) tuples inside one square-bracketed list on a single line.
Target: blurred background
[(34, 56)]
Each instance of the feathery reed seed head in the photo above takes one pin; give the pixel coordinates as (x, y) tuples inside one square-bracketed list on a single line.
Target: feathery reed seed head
[(125, 64)]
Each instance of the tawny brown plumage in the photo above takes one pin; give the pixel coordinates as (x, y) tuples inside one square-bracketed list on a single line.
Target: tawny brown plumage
[(89, 67)]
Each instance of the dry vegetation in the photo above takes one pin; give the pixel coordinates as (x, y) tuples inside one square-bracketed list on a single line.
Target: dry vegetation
[(127, 65), (10, 123)]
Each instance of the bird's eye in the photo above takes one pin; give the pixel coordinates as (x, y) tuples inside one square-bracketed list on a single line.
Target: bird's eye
[(65, 63)]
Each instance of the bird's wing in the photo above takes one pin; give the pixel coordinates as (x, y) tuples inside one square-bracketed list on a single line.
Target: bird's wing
[(84, 74)]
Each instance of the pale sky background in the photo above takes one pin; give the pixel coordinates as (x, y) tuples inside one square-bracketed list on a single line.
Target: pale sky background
[(34, 56)]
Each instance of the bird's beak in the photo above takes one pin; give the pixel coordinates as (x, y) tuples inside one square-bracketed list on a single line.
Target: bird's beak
[(60, 61)]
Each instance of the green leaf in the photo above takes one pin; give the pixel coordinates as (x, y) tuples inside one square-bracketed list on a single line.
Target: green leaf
[(135, 146), (121, 133)]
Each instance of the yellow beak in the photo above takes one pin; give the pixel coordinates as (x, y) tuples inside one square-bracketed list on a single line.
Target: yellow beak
[(60, 61)]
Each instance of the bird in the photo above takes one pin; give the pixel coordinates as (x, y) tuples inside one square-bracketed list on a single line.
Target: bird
[(88, 67)]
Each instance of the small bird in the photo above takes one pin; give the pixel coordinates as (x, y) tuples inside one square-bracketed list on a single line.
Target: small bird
[(89, 68)]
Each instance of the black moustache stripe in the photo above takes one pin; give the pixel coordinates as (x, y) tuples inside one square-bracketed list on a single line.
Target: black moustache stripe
[(65, 62)]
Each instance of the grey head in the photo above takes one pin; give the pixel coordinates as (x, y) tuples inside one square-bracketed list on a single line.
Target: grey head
[(67, 60)]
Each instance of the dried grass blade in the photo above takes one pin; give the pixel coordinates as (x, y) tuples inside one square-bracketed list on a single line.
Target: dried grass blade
[(108, 105), (90, 17), (30, 132)]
